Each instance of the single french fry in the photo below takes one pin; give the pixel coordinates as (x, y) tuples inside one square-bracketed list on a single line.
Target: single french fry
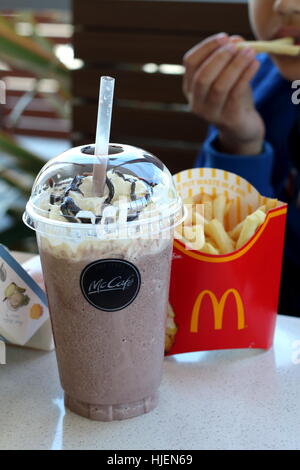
[(200, 209), (228, 206), (190, 208), (289, 41), (198, 217), (216, 231), (197, 199), (195, 215), (196, 245), (251, 224), (194, 221), (271, 203), (262, 208), (188, 221), (179, 231), (211, 242), (236, 231), (207, 200), (272, 47), (219, 207), (194, 237), (226, 214), (188, 233), (209, 249)]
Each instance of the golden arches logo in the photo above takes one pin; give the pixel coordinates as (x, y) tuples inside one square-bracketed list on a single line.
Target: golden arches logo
[(218, 309)]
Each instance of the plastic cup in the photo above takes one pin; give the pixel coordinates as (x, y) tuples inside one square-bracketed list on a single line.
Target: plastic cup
[(107, 276)]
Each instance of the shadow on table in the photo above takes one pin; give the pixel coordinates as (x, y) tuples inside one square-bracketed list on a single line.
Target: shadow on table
[(212, 357), (18, 355)]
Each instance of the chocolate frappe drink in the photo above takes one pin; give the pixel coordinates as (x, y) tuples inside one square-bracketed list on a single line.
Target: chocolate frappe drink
[(106, 264)]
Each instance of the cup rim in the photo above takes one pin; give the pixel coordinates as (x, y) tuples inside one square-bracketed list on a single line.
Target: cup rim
[(176, 210)]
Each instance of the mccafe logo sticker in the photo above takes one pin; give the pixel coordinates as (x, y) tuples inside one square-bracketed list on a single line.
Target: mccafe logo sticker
[(110, 284)]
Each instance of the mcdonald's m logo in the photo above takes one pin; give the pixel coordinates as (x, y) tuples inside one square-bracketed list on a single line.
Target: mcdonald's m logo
[(218, 309)]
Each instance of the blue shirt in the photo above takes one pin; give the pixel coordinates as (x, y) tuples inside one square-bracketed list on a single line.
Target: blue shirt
[(269, 172)]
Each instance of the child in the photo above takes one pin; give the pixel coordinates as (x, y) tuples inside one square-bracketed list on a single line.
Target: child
[(255, 128)]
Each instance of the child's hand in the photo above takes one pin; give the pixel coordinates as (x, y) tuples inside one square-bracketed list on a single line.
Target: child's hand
[(216, 84)]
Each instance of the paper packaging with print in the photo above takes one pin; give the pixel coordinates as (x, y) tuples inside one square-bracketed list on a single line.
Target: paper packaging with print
[(24, 315), (229, 300)]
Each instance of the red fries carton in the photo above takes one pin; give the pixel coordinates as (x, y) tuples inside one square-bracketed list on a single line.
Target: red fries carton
[(230, 300)]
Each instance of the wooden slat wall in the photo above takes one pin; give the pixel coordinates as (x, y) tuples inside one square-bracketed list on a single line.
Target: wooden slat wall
[(165, 15), (39, 118), (130, 85), (117, 37)]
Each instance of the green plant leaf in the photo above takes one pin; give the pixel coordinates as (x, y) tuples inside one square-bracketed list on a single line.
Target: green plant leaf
[(29, 159), (31, 61), (30, 53), (16, 180)]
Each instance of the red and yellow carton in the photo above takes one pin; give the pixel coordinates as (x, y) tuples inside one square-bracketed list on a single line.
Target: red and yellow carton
[(226, 301)]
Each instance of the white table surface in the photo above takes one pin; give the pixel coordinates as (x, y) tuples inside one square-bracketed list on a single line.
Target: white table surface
[(238, 399)]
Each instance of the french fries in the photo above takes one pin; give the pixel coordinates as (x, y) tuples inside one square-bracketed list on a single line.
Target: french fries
[(235, 233), (216, 231), (208, 207), (219, 206), (205, 226), (284, 46), (250, 225), (209, 249), (286, 41)]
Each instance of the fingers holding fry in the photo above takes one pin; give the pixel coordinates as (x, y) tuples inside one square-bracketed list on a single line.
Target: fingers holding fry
[(272, 47)]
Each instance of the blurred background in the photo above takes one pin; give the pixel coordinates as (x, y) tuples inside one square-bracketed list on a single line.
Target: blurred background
[(36, 57), (52, 54)]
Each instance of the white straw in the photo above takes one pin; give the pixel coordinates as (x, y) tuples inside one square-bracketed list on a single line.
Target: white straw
[(106, 95)]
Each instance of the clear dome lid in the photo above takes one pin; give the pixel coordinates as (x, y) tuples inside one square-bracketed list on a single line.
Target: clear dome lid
[(139, 192)]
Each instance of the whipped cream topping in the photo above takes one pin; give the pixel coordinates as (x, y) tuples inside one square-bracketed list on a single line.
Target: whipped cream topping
[(73, 201)]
